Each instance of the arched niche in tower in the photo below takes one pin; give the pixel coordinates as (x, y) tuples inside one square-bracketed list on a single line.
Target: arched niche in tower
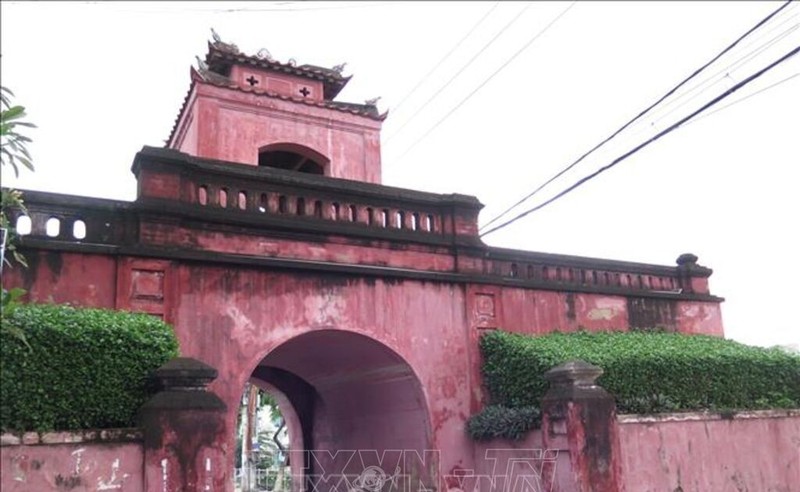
[(293, 157)]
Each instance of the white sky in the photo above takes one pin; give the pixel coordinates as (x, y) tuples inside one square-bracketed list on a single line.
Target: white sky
[(103, 79)]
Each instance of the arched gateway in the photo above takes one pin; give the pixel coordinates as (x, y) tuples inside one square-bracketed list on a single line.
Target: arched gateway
[(360, 305), (350, 403)]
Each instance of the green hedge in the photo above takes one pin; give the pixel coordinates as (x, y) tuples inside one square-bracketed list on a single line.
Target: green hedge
[(81, 368), (646, 372), (499, 422)]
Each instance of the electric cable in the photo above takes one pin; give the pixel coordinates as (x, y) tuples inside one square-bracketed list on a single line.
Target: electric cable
[(734, 103), (445, 57), (486, 81), (735, 65), (641, 114), (288, 8), (636, 149), (739, 63), (460, 71)]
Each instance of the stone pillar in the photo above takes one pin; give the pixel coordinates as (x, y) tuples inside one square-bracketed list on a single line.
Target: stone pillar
[(184, 431), (580, 416)]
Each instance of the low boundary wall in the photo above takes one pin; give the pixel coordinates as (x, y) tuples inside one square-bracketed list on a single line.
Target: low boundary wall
[(111, 459), (700, 452), (583, 446)]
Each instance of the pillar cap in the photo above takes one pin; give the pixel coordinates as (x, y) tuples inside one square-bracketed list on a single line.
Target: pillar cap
[(574, 373), (185, 374), (687, 265), (687, 259)]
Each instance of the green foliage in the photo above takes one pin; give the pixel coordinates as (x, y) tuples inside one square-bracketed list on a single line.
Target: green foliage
[(646, 372), (85, 368), (9, 301), (497, 421), (13, 152), (13, 145)]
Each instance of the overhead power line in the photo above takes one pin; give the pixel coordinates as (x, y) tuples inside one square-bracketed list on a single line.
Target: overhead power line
[(460, 71), (743, 99), (489, 78), (640, 115), (277, 7), (639, 147), (720, 75), (445, 57), (662, 114)]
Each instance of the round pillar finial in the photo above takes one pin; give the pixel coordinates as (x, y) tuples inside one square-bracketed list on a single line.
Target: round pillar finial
[(687, 259), (574, 373)]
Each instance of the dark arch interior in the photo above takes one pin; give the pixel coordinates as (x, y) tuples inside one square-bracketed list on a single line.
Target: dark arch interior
[(350, 393), (291, 161)]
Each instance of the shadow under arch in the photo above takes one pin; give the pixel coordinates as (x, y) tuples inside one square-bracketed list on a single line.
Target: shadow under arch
[(293, 157), (359, 408)]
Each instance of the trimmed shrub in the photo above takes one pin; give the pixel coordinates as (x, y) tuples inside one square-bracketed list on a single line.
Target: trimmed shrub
[(646, 372), (496, 421), (80, 369)]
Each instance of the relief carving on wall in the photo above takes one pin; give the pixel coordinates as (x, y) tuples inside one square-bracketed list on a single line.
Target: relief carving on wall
[(142, 286), (484, 310)]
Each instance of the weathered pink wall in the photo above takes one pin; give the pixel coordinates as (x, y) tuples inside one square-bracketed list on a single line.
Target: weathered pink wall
[(233, 318), (86, 280), (233, 126), (753, 451), (700, 318), (506, 465), (343, 252), (84, 461), (286, 85), (404, 304)]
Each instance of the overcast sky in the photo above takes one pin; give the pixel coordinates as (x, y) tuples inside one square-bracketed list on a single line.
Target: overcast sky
[(103, 79)]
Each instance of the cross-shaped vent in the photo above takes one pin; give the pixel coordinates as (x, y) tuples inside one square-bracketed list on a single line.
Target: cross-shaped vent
[(252, 81), (305, 92)]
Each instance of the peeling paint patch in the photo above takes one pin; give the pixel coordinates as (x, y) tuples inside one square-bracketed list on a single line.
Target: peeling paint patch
[(164, 476), (601, 313), (113, 482)]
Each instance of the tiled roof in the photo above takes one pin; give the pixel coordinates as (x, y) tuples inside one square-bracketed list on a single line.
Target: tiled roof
[(219, 60), (211, 78)]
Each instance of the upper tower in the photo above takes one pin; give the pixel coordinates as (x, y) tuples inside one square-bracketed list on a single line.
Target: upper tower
[(256, 110)]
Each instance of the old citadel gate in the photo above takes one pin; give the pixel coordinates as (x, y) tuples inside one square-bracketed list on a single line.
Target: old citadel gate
[(263, 234)]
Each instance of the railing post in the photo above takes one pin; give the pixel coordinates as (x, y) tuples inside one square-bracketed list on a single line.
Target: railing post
[(693, 278), (580, 416), (184, 431)]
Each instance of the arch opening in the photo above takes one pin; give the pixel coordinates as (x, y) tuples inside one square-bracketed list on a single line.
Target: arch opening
[(351, 406), (262, 443), (293, 157)]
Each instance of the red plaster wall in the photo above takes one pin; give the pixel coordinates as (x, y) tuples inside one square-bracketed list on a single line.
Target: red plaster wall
[(699, 455), (80, 279), (335, 250), (231, 319), (536, 312), (190, 137), (287, 85), (507, 465), (702, 318), (234, 125), (77, 467)]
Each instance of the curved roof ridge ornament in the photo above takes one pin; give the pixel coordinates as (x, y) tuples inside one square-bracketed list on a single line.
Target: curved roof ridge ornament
[(222, 45), (201, 64), (207, 75), (264, 54)]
